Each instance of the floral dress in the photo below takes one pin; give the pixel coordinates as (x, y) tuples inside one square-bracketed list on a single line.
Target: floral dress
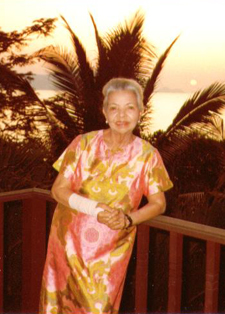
[(86, 261)]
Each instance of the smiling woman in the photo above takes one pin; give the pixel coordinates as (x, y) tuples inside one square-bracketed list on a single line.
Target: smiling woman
[(102, 177), (122, 113), (122, 108)]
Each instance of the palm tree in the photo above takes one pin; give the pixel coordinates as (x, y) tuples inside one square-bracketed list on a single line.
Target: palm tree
[(125, 52), (197, 125), (122, 52)]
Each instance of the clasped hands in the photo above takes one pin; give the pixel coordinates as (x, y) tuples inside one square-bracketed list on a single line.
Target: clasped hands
[(115, 219)]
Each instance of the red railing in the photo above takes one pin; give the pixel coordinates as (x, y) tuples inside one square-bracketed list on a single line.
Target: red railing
[(34, 248), (33, 244), (177, 228)]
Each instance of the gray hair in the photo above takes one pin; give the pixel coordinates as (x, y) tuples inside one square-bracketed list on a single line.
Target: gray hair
[(120, 83)]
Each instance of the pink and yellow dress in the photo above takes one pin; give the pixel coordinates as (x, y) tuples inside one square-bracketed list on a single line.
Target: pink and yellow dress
[(86, 261)]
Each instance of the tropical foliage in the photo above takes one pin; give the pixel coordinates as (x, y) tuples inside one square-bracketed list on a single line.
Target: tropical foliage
[(22, 112), (191, 146), (24, 159), (24, 164), (122, 52), (77, 107)]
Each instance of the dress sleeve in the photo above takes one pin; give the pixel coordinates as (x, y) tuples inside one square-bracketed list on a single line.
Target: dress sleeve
[(156, 176), (67, 162)]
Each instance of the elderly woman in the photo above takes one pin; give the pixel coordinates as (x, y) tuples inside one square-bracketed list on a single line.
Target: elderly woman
[(102, 178)]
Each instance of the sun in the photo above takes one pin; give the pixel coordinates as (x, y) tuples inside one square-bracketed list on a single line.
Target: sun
[(193, 82)]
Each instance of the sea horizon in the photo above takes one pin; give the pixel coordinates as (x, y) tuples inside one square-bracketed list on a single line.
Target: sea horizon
[(165, 106)]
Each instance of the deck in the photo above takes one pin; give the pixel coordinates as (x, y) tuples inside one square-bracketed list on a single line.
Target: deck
[(34, 241)]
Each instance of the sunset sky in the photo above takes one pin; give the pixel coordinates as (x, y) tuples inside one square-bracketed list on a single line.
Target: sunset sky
[(196, 60)]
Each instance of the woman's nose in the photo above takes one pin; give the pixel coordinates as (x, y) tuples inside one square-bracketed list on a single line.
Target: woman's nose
[(121, 113)]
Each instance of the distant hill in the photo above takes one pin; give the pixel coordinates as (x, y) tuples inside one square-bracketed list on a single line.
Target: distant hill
[(170, 90), (42, 82)]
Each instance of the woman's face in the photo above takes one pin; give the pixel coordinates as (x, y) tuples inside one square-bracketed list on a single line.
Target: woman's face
[(122, 112)]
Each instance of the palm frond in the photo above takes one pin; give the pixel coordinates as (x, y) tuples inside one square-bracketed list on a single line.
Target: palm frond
[(102, 54), (68, 118), (217, 200), (220, 184), (150, 87), (10, 80), (127, 50), (151, 82), (145, 49), (89, 91), (193, 196), (29, 110), (177, 142), (192, 206), (24, 165), (85, 69), (199, 108), (73, 75), (64, 71), (211, 127)]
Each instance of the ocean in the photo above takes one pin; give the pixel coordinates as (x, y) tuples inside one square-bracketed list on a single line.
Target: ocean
[(165, 107)]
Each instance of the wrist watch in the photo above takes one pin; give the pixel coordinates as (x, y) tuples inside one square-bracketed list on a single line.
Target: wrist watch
[(129, 220)]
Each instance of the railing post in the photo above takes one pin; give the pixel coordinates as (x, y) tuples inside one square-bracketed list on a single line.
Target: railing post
[(34, 240), (175, 272), (212, 277), (141, 276), (1, 254)]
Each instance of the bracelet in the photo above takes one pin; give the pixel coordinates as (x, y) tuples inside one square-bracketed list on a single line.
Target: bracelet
[(130, 221)]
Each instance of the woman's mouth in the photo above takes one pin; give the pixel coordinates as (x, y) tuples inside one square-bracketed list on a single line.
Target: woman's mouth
[(122, 123)]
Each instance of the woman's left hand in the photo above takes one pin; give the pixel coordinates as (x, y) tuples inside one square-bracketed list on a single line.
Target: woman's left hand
[(117, 221), (113, 218)]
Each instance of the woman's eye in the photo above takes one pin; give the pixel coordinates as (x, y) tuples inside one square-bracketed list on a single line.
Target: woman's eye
[(112, 108)]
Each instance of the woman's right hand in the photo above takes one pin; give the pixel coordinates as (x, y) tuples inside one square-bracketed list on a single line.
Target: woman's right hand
[(111, 217), (105, 216)]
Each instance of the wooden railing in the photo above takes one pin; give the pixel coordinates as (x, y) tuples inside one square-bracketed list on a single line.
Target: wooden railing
[(177, 228), (34, 250), (33, 244)]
